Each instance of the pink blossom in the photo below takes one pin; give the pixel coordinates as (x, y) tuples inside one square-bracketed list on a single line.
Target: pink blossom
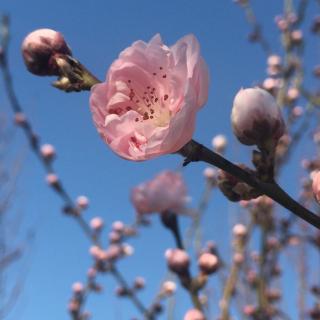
[(166, 191), (52, 179), (168, 288), (239, 230), (178, 260), (96, 223), (219, 142), (39, 49), (48, 151), (208, 263), (148, 103), (194, 314), (82, 202), (77, 287), (20, 118), (316, 185)]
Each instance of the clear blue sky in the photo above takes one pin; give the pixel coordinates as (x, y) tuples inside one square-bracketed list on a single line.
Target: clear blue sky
[(97, 31)]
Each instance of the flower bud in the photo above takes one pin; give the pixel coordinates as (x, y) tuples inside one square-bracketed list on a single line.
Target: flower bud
[(77, 288), (20, 119), (208, 263), (296, 37), (139, 283), (52, 179), (256, 118), (82, 202), (48, 152), (316, 186), (178, 260), (239, 230), (96, 224), (118, 226), (168, 288), (219, 143), (194, 314), (39, 49)]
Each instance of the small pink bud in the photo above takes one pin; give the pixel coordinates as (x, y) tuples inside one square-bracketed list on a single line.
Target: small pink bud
[(270, 84), (194, 314), (293, 94), (74, 306), (52, 179), (296, 36), (219, 143), (20, 118), (297, 111), (39, 49), (82, 202), (274, 60), (77, 288), (316, 186), (208, 263), (256, 118), (238, 258), (118, 226), (169, 288), (210, 173), (139, 283), (48, 151), (178, 260), (96, 223), (127, 249), (249, 310), (282, 23), (239, 230), (91, 273), (114, 237)]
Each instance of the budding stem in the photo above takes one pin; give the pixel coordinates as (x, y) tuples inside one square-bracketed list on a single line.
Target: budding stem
[(194, 151)]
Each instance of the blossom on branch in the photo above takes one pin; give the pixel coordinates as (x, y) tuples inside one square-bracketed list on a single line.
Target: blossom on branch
[(166, 192), (147, 106)]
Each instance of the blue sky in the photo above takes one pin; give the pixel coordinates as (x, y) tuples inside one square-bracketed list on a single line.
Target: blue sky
[(97, 31)]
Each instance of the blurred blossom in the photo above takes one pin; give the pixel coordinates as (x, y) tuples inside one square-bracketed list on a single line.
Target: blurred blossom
[(77, 287), (219, 143), (239, 230), (316, 185), (82, 202), (169, 287), (194, 314), (48, 151), (147, 106), (96, 223), (208, 263), (52, 179), (166, 192), (296, 36), (20, 118)]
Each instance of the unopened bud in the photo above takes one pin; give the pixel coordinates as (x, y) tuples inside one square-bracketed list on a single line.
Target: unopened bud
[(194, 314), (256, 118), (48, 152), (208, 263), (178, 260), (39, 49)]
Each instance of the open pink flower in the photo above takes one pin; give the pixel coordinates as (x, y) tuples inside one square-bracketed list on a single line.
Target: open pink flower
[(148, 103), (166, 191)]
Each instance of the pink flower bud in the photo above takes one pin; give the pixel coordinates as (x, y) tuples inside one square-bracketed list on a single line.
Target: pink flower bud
[(20, 119), (239, 230), (274, 60), (296, 36), (210, 173), (297, 111), (238, 258), (74, 306), (127, 249), (249, 310), (114, 252), (316, 186), (139, 283), (219, 143), (270, 84), (194, 314), (114, 237), (39, 49), (91, 273), (77, 288), (178, 260), (293, 94), (47, 151), (281, 23), (256, 118), (96, 223), (168, 288), (52, 179), (82, 202), (118, 226), (208, 263)]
